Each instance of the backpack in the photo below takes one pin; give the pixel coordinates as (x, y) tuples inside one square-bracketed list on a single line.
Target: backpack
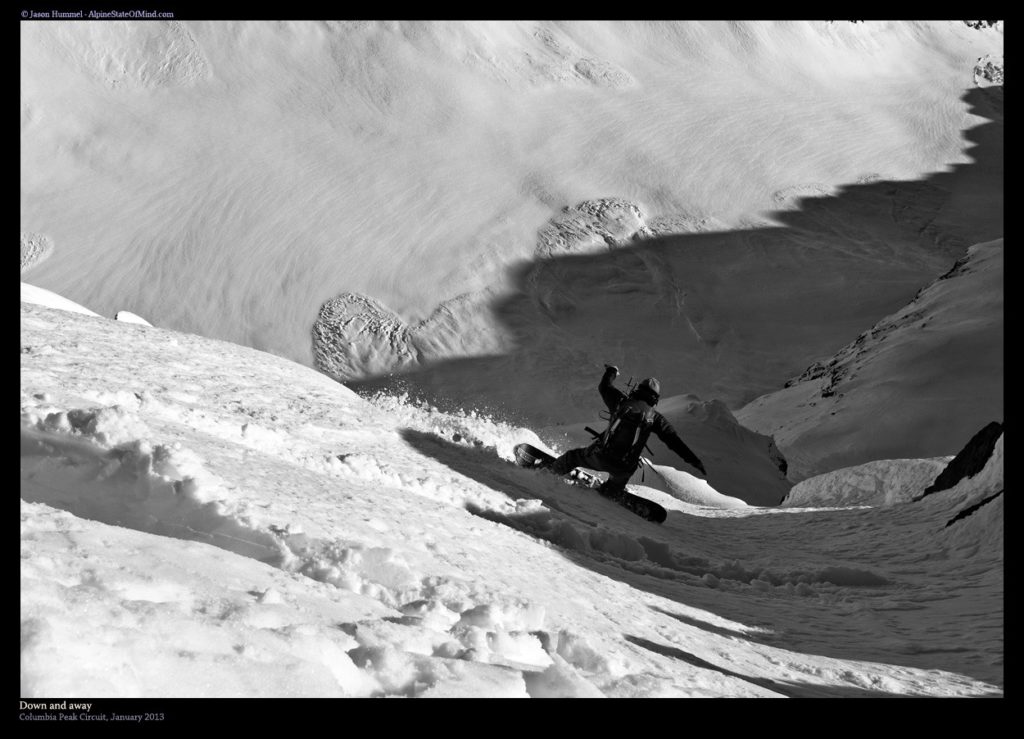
[(628, 428)]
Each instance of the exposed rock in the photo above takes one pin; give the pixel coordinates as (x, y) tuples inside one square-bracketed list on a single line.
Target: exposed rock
[(989, 71), (776, 456), (970, 461)]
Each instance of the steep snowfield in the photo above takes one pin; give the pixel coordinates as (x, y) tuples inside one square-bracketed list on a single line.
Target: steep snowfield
[(421, 164), (200, 518), (918, 383)]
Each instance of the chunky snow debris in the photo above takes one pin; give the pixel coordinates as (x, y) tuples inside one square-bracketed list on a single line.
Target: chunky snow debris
[(989, 71), (278, 535)]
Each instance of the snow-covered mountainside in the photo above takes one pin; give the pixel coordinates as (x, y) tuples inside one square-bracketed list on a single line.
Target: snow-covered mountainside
[(372, 257), (201, 518), (775, 171), (916, 384)]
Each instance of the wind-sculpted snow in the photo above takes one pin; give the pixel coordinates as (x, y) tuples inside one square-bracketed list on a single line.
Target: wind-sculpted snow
[(131, 54), (883, 482), (203, 519), (355, 336), (593, 225), (414, 162), (539, 57)]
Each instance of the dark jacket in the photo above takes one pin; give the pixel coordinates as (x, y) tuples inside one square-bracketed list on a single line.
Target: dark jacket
[(612, 397)]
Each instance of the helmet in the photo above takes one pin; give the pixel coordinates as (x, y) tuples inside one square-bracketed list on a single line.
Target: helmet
[(649, 390)]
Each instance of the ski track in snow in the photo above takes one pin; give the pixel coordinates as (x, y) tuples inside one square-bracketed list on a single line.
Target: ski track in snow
[(380, 547)]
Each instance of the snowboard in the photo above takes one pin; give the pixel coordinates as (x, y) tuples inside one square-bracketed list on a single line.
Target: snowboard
[(533, 458)]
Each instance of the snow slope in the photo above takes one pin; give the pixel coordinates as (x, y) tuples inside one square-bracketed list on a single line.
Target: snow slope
[(200, 518), (39, 296), (416, 164), (918, 383)]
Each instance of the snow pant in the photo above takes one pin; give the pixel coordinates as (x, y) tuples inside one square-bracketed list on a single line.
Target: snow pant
[(591, 459)]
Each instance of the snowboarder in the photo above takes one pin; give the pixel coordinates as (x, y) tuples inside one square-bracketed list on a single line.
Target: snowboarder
[(617, 450)]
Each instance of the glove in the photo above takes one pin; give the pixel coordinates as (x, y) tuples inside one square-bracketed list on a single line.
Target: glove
[(611, 369)]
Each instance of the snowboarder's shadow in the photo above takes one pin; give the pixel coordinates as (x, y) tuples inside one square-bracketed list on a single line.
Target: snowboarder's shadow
[(481, 465), (789, 689)]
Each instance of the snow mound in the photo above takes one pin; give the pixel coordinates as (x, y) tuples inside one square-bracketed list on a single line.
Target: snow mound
[(690, 489), (39, 296), (35, 249), (129, 317), (883, 482)]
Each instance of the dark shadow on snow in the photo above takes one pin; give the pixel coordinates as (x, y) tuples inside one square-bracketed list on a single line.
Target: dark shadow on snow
[(518, 484), (728, 315), (720, 630), (788, 689), (747, 321), (658, 565)]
